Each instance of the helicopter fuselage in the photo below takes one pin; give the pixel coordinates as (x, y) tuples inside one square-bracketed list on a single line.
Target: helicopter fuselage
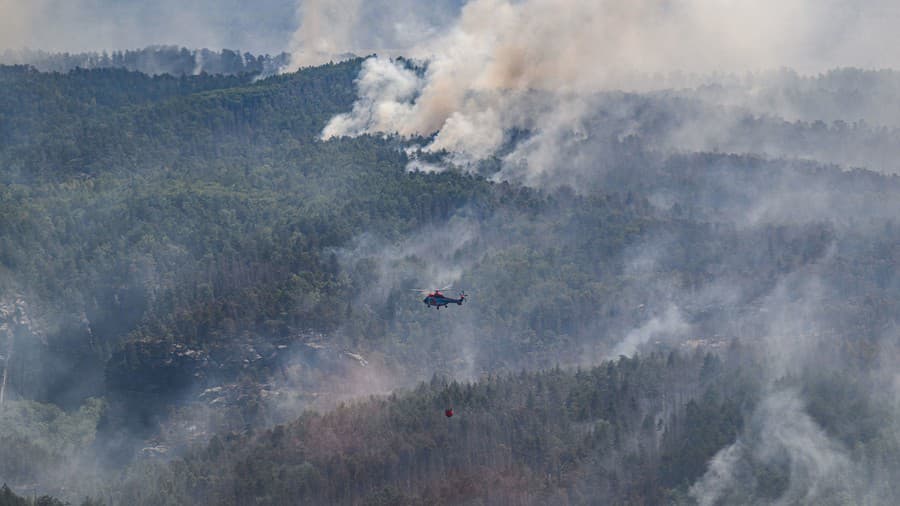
[(438, 300)]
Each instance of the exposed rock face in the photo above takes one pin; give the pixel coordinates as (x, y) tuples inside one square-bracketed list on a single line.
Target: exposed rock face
[(15, 321), (172, 395)]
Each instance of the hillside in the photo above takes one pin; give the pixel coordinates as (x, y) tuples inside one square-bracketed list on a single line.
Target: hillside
[(186, 267)]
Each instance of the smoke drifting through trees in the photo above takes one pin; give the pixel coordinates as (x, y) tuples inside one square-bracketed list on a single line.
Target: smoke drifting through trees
[(661, 244), (542, 68)]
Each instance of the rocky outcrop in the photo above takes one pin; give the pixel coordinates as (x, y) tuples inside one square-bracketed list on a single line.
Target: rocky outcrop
[(15, 320)]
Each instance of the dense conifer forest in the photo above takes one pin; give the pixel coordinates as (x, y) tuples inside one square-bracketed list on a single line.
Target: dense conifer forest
[(204, 302), (153, 60)]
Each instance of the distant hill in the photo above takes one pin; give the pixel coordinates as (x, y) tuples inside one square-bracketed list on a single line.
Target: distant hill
[(188, 250), (151, 60)]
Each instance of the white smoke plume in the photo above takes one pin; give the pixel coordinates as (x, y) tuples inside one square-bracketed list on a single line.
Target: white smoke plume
[(396, 88), (14, 20), (326, 28), (429, 259), (335, 29), (669, 324), (533, 65), (780, 434)]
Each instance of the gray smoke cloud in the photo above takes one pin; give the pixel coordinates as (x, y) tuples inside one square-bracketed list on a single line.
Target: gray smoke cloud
[(335, 29), (544, 67), (434, 257), (780, 434), (535, 66)]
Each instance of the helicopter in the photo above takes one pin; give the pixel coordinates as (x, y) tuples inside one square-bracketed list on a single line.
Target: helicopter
[(438, 300)]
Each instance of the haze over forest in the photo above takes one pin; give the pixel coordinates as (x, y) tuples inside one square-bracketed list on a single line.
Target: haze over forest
[(676, 225)]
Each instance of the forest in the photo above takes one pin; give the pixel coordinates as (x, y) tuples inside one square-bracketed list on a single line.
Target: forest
[(203, 301), (153, 60)]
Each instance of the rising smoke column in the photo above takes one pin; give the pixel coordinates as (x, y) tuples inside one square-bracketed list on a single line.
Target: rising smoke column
[(539, 65), (14, 20), (533, 65), (326, 29), (335, 29), (570, 45)]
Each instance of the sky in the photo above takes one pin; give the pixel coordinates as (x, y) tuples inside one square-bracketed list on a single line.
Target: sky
[(260, 26), (649, 33)]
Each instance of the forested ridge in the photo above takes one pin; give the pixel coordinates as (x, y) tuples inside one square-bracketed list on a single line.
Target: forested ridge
[(153, 60), (628, 431), (632, 431), (186, 267)]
